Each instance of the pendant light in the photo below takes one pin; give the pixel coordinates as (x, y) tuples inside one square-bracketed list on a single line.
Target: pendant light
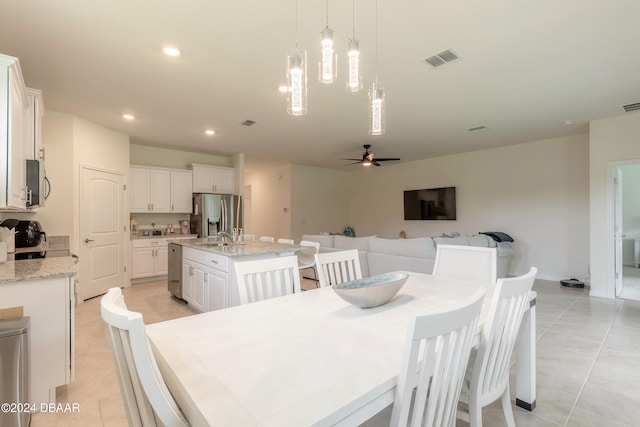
[(354, 79), (376, 97), (297, 78), (328, 65)]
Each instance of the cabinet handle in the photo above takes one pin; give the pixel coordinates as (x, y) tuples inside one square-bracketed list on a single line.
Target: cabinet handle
[(206, 278), (42, 154), (214, 261), (172, 208), (190, 271)]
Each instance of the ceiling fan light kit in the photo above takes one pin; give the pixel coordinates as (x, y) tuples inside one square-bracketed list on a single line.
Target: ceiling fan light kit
[(368, 158)]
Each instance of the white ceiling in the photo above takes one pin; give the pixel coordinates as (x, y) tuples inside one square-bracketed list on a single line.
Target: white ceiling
[(525, 68)]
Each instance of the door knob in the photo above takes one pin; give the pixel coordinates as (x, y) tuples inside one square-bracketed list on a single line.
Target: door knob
[(88, 240)]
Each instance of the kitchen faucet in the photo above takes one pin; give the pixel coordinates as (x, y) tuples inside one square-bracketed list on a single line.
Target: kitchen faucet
[(223, 234)]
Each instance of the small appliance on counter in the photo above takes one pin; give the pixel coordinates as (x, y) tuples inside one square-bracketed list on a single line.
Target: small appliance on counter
[(29, 234)]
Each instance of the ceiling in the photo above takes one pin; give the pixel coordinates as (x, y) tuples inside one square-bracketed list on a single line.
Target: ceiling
[(525, 69)]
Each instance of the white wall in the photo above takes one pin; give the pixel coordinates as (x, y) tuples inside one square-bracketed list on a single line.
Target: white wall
[(168, 158), (319, 200), (611, 141), (270, 195), (536, 192)]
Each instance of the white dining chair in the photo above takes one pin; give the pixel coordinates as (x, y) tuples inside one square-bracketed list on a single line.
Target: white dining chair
[(337, 267), (286, 241), (267, 278), (487, 377), (434, 361), (249, 237), (307, 259), (267, 239), (147, 399), (471, 263)]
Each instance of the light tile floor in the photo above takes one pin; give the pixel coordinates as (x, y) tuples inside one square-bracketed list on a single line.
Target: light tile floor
[(588, 361)]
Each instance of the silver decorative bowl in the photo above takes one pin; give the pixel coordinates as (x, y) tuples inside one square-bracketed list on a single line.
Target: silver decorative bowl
[(371, 291)]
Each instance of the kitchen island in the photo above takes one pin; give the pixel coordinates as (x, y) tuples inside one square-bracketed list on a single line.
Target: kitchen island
[(208, 269), (44, 287)]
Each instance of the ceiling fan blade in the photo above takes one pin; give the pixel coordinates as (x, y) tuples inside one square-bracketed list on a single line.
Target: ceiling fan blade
[(375, 163), (354, 163), (353, 160), (384, 159)]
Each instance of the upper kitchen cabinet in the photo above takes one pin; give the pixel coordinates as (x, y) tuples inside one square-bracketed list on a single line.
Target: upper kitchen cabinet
[(13, 134), (181, 182), (213, 179), (160, 190), (35, 111)]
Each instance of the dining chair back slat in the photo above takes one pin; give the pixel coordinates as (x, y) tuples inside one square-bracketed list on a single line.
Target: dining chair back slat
[(267, 278), (338, 267), (147, 399), (268, 239), (471, 263), (434, 362), (488, 373), (286, 241)]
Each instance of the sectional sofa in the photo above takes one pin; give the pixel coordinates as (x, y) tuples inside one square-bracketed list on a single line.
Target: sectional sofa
[(378, 255)]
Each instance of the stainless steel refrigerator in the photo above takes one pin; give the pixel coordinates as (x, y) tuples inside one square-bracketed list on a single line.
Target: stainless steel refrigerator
[(213, 213)]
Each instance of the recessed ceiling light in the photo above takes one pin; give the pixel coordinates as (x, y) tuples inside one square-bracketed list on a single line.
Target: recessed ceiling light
[(171, 51), (568, 122), (128, 116), (209, 132)]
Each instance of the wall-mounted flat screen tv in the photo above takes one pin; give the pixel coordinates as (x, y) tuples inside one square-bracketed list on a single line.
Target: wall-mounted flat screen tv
[(430, 204)]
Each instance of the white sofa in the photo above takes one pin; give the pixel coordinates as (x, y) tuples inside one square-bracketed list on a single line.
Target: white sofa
[(378, 255)]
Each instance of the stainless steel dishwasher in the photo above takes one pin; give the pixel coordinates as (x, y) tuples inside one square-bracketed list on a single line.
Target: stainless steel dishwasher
[(174, 276), (14, 371)]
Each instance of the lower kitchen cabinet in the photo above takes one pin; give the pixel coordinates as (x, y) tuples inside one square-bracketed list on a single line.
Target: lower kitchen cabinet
[(149, 257), (205, 280), (50, 304)]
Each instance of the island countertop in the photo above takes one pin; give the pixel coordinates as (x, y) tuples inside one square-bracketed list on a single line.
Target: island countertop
[(248, 248), (40, 268)]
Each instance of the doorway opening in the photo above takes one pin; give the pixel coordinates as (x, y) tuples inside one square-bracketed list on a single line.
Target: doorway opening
[(626, 199)]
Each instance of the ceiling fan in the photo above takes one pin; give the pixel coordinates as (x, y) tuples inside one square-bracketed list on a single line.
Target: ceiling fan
[(368, 158)]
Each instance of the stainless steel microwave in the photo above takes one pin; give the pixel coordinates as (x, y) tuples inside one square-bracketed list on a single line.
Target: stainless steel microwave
[(36, 184)]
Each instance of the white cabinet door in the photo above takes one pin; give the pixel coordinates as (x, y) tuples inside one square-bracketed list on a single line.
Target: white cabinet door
[(200, 287), (181, 182), (16, 174), (139, 183), (218, 283), (160, 190), (224, 180), (202, 179), (213, 179), (142, 262)]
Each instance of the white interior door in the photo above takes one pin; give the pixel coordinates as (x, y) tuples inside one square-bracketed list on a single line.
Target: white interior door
[(102, 232)]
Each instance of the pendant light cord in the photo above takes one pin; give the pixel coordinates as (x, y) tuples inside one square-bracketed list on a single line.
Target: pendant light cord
[(353, 16), (327, 13), (376, 44)]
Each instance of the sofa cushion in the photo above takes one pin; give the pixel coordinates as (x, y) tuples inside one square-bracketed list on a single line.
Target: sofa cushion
[(482, 241), (461, 240), (385, 263), (325, 241), (359, 243), (421, 247)]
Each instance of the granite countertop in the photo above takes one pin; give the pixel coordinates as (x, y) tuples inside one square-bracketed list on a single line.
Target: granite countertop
[(41, 268), (163, 236), (250, 247)]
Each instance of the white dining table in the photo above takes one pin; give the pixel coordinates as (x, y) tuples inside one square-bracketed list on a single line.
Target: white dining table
[(308, 359)]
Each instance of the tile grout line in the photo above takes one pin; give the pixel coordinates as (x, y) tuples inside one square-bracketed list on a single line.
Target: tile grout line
[(595, 359)]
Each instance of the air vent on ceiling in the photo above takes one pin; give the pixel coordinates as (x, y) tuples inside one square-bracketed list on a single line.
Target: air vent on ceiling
[(631, 107), (441, 58), (478, 128), (248, 123)]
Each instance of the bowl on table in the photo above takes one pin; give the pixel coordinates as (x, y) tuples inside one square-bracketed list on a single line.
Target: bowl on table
[(371, 291)]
